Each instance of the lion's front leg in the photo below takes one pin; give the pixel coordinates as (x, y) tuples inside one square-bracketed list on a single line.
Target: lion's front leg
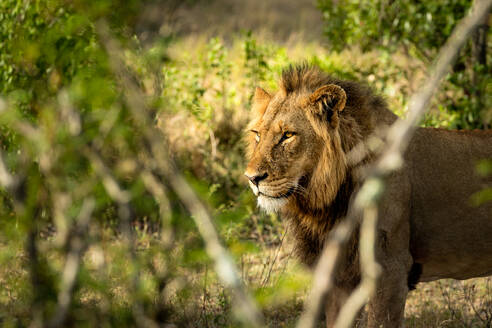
[(334, 302), (346, 280), (387, 306)]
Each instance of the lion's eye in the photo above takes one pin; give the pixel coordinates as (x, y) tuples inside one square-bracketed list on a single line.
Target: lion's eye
[(286, 136), (257, 136)]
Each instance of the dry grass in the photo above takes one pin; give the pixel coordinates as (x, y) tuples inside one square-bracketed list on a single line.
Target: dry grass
[(445, 303), (451, 303), (278, 281)]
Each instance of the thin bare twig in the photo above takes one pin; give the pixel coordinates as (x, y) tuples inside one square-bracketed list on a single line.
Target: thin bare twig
[(324, 272), (122, 199), (270, 269), (158, 191), (6, 179), (398, 135), (72, 263), (370, 273)]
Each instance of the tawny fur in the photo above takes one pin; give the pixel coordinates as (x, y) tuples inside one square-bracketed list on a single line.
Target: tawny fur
[(427, 227)]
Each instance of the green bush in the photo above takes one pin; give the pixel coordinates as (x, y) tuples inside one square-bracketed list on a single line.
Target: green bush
[(419, 28), (76, 151)]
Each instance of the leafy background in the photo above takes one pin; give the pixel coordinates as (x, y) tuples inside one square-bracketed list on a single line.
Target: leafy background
[(68, 132)]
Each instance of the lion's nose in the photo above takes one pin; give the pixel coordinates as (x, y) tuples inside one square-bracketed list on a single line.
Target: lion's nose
[(256, 178)]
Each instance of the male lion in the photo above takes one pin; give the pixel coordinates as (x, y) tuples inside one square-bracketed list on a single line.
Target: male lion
[(428, 228)]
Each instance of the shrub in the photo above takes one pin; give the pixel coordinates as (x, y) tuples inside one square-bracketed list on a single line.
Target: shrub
[(419, 28)]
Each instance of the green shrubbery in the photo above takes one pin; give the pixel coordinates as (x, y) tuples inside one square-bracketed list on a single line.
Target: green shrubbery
[(419, 28)]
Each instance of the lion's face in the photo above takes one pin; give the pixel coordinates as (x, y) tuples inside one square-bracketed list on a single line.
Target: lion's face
[(285, 147)]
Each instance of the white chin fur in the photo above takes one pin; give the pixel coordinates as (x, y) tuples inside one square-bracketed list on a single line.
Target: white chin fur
[(269, 204), (254, 188)]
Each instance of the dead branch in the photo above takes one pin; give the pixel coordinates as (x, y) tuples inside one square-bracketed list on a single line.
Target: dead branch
[(6, 179), (122, 199), (72, 263), (370, 273), (159, 191)]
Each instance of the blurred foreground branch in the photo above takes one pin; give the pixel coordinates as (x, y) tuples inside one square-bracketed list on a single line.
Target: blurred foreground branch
[(391, 160), (122, 198), (247, 311), (6, 179), (71, 269)]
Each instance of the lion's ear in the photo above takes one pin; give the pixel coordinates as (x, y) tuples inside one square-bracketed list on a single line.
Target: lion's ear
[(260, 101), (328, 101)]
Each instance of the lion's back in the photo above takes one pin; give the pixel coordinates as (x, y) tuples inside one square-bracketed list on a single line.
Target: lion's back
[(448, 226)]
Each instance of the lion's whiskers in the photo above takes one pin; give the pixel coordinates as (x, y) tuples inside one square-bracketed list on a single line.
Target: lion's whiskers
[(297, 189)]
